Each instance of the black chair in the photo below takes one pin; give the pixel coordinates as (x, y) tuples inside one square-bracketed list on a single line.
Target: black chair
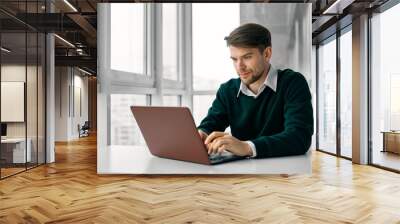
[(84, 130)]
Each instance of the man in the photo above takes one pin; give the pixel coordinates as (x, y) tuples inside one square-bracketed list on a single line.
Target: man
[(269, 111)]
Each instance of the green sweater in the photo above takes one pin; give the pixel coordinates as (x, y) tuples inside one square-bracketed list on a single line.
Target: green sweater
[(278, 123)]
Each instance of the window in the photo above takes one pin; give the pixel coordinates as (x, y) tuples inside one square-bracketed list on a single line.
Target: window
[(172, 101), (212, 64), (327, 97), (211, 58), (124, 129), (394, 101), (201, 104), (128, 38), (170, 40), (385, 88), (346, 94)]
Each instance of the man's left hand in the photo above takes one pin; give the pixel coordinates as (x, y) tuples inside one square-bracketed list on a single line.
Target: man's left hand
[(217, 142)]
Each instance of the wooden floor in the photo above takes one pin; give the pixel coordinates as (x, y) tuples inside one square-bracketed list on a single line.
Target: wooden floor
[(387, 159), (70, 191), (5, 172)]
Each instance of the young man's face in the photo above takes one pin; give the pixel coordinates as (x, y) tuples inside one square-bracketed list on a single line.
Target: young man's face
[(250, 64)]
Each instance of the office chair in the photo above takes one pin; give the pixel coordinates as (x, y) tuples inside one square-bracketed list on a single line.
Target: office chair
[(84, 130)]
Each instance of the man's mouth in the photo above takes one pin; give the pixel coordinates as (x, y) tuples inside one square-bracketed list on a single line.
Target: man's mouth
[(245, 74)]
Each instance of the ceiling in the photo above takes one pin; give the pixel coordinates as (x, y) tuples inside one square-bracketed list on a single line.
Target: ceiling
[(76, 22)]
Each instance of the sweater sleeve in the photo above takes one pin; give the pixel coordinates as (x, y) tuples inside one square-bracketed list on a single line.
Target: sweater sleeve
[(295, 139), (217, 117)]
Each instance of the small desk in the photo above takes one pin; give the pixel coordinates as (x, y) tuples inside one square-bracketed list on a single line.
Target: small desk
[(391, 141), (138, 160), (16, 147)]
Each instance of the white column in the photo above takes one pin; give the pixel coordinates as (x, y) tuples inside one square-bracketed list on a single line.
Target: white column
[(50, 99), (360, 90), (103, 82)]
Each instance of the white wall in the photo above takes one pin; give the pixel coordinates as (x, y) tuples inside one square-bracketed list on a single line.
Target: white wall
[(61, 103), (290, 29), (80, 83), (69, 85)]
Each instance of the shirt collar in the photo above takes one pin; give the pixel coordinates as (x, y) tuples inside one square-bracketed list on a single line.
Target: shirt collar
[(270, 81)]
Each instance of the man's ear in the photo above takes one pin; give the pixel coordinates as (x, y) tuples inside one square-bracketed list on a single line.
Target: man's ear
[(268, 53)]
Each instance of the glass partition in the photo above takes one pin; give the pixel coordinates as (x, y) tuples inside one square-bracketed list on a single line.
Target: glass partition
[(327, 96), (31, 100), (346, 94), (14, 144), (22, 77)]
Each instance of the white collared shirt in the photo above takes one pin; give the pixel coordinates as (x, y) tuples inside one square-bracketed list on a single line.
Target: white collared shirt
[(271, 82)]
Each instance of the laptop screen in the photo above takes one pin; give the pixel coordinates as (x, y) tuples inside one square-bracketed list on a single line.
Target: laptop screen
[(3, 129)]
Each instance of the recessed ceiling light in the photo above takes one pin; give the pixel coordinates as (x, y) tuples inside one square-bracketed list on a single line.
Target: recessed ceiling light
[(86, 72), (337, 7), (70, 5), (5, 50), (64, 40)]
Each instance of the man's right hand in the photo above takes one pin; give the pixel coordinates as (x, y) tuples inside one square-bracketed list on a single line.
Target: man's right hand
[(203, 135)]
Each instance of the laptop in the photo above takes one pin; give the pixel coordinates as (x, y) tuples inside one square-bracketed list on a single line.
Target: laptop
[(170, 132)]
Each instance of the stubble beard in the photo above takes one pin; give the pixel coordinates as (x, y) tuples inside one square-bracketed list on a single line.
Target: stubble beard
[(254, 78)]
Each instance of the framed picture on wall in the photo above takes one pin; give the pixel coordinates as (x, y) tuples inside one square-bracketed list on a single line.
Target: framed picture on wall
[(12, 101)]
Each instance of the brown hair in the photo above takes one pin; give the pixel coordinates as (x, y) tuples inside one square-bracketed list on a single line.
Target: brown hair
[(250, 35)]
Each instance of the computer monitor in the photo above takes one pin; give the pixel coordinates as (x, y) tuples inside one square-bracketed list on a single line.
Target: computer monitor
[(3, 129)]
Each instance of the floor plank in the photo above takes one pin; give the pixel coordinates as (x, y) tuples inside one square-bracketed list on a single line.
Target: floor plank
[(70, 191)]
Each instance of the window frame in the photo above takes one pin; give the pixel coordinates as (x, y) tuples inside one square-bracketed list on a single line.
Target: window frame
[(151, 83), (335, 37), (179, 25), (122, 79)]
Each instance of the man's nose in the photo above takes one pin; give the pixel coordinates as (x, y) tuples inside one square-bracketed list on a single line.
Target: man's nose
[(240, 64)]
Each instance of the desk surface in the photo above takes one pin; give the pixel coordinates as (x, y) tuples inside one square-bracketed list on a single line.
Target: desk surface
[(138, 160), (390, 132), (13, 140)]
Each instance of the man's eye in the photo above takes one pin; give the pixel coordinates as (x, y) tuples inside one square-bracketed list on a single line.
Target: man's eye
[(247, 57)]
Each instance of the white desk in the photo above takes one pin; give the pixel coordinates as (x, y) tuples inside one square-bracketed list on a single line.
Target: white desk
[(138, 160), (18, 149)]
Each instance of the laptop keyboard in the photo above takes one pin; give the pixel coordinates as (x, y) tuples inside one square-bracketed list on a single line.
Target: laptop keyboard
[(223, 154), (220, 157)]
